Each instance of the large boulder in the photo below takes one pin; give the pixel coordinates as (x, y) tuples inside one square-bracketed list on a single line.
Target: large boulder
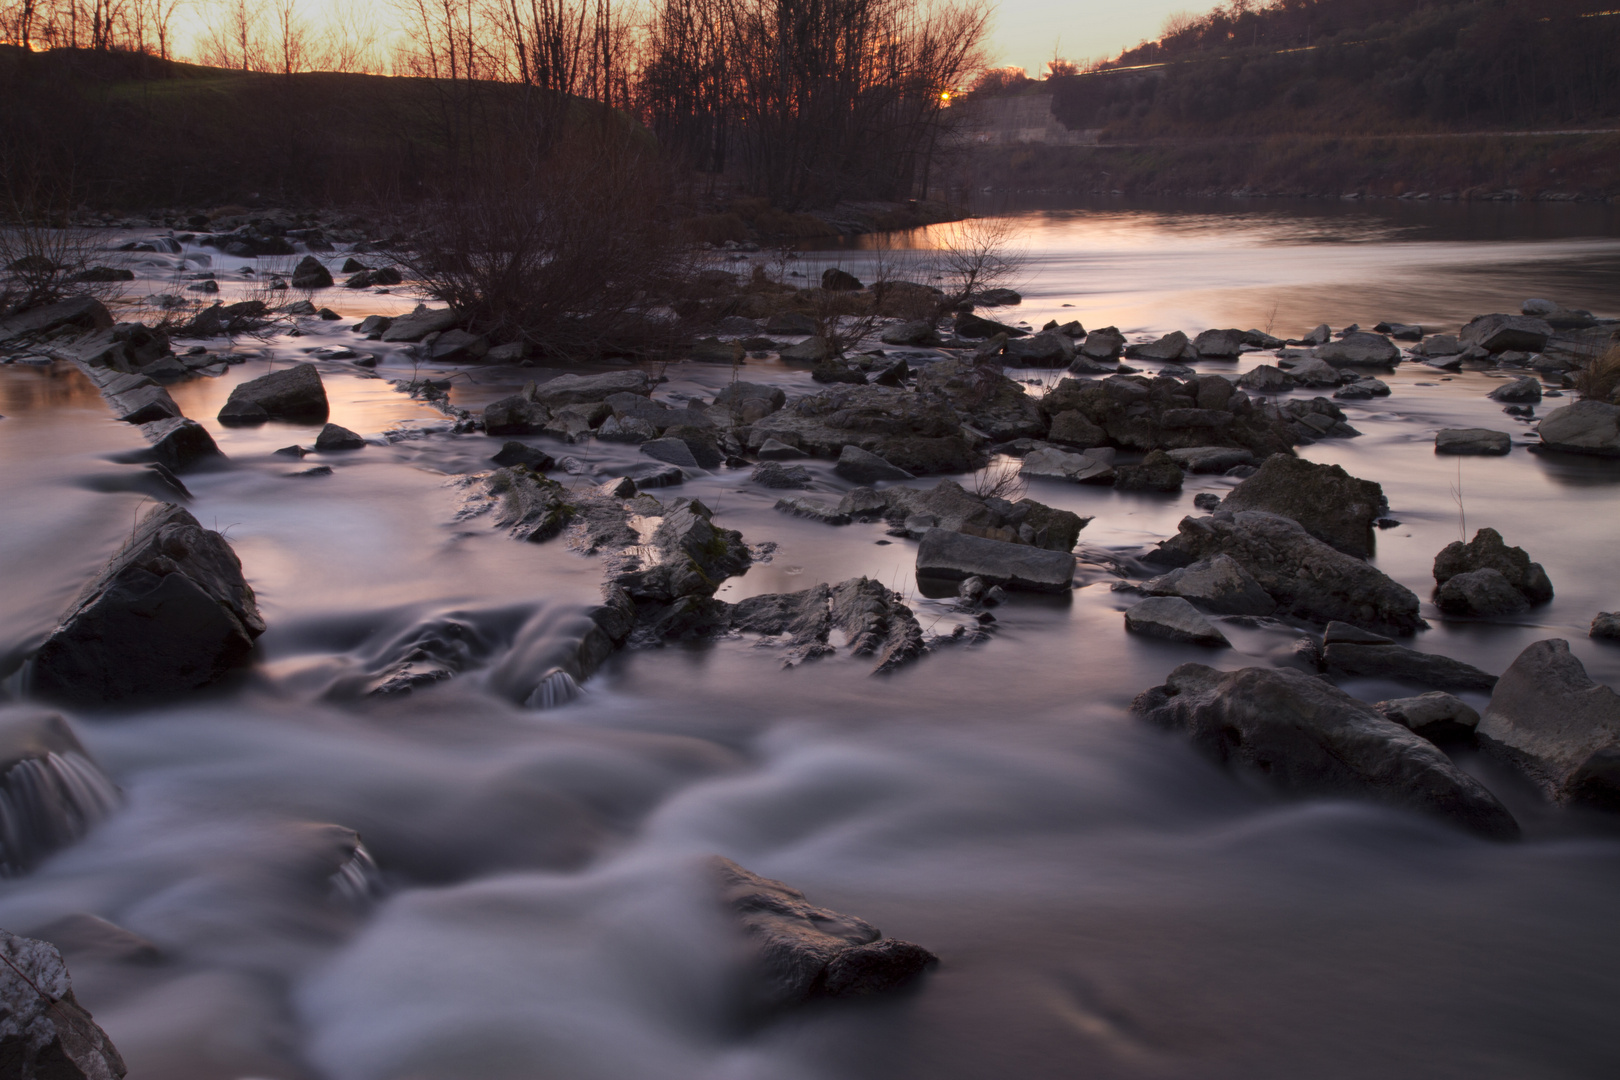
[(802, 953), (1219, 344), (1309, 579), (79, 315), (1586, 427), (170, 613), (1360, 350), (45, 1034), (1104, 344), (1170, 347), (1312, 739), (1331, 504), (985, 398), (955, 556), (1488, 551), (1551, 719), (1046, 349), (687, 555), (311, 273), (295, 393), (1219, 584), (1502, 333)]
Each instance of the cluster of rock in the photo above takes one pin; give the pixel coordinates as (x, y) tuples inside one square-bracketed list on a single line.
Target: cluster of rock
[(45, 1034)]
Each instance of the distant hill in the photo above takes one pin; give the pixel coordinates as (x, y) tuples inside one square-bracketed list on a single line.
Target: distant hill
[(1360, 67)]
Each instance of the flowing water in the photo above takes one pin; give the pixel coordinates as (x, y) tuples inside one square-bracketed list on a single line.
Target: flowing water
[(528, 898)]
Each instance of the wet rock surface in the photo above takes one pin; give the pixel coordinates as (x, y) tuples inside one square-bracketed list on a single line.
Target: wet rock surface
[(1309, 738), (1482, 577), (1173, 619), (1220, 585), (170, 613), (1437, 716), (803, 953), (1474, 441), (45, 1034), (295, 393), (1349, 651), (1586, 427), (1332, 505), (954, 556)]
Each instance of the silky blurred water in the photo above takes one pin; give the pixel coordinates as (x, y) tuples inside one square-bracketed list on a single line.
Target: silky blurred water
[(1105, 902)]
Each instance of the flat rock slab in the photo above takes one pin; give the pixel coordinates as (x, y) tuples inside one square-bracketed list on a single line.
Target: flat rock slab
[(1479, 441), (954, 556), (1391, 661), (672, 452), (1174, 619), (585, 389), (170, 613), (1309, 738), (1586, 427), (1550, 718)]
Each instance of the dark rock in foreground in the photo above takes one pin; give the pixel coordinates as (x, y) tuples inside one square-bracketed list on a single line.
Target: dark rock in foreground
[(1331, 504), (1562, 728), (1437, 716), (179, 443), (45, 1034), (1606, 625), (1308, 578), (1309, 738), (954, 556), (170, 613), (803, 952), (294, 393), (1586, 427)]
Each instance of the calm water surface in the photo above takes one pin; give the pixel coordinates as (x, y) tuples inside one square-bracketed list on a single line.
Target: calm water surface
[(1105, 902)]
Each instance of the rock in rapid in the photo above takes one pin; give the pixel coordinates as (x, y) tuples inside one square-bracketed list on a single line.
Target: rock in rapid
[(954, 556), (45, 1034), (1350, 651), (1310, 738), (1552, 720), (1174, 619), (51, 791), (170, 613), (802, 953), (1331, 504), (1219, 584), (1486, 577), (294, 393)]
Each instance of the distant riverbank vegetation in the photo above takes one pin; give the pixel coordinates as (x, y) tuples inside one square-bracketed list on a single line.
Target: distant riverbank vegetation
[(801, 103), (1358, 67)]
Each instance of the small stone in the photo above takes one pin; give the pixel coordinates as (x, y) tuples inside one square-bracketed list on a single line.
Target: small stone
[(516, 453), (1606, 625), (1436, 715), (333, 437), (1473, 441), (772, 475)]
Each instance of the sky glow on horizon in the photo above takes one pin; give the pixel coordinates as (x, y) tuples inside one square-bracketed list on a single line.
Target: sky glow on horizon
[(1025, 31)]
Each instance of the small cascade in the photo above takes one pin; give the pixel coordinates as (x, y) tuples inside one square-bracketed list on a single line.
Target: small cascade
[(47, 803), (358, 883), (556, 688)]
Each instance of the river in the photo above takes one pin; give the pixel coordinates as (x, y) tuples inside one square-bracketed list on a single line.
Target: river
[(1105, 902)]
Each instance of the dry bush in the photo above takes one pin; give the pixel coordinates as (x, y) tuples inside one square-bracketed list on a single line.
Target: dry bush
[(975, 255), (1599, 380), (41, 264), (1001, 480), (557, 242)]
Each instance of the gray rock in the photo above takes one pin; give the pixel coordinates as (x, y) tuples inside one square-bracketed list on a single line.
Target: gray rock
[(1170, 347), (1308, 578), (953, 556), (170, 613), (1050, 463), (1400, 331), (586, 389), (1106, 343), (1219, 584), (1048, 349), (81, 314), (1500, 333), (875, 623), (1309, 738), (515, 415), (1072, 428), (1551, 719), (1266, 379), (1586, 427), (179, 443), (419, 324), (771, 475), (1314, 372), (44, 1032), (776, 450), (917, 333), (1211, 459), (1480, 592), (310, 273), (1606, 626), (1320, 336), (863, 467), (1489, 551), (815, 511), (1157, 472), (458, 347), (812, 350), (510, 353), (686, 556), (1219, 344), (654, 475), (1350, 652), (1174, 619), (672, 451), (1520, 391), (1207, 500), (802, 953), (1440, 345), (1360, 350), (1363, 389), (515, 453), (1331, 504), (294, 393), (1476, 441), (334, 437), (1437, 715), (142, 404), (1538, 309), (531, 508)]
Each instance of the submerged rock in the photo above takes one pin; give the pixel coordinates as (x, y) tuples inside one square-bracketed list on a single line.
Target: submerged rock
[(802, 953), (1308, 578), (51, 791), (1552, 720), (1174, 619), (170, 613), (1353, 652), (1310, 738), (44, 1032), (1331, 504)]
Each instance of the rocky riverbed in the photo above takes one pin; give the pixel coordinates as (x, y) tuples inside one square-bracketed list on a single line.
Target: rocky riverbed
[(972, 628)]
